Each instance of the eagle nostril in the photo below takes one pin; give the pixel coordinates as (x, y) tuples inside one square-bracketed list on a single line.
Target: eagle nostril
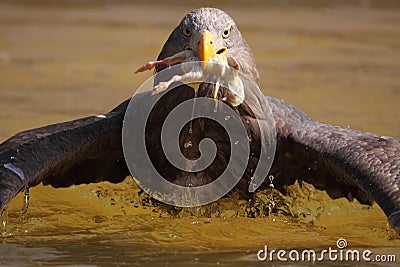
[(188, 48), (221, 50)]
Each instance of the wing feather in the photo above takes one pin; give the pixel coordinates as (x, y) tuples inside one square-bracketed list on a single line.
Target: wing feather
[(80, 151), (344, 162)]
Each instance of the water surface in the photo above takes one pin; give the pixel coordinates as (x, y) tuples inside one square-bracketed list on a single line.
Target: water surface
[(339, 63)]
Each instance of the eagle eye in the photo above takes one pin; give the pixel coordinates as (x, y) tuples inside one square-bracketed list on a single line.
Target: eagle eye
[(186, 31), (227, 32)]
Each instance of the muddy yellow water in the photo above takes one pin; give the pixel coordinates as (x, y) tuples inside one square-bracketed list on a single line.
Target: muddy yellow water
[(338, 62)]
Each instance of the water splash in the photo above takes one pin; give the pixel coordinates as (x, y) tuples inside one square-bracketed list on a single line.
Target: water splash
[(4, 221), (253, 184), (188, 144), (25, 205), (216, 107), (193, 110), (271, 202), (260, 207)]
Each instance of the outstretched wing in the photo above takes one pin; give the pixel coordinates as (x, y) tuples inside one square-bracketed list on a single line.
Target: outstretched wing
[(80, 151), (344, 162)]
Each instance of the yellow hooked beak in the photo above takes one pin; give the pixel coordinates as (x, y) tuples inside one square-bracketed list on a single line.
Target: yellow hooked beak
[(207, 48)]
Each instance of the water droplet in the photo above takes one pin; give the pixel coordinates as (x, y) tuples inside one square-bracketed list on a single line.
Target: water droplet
[(227, 117), (249, 138), (236, 142), (12, 158), (190, 130), (247, 121), (271, 178), (253, 183), (172, 236), (25, 205), (188, 144), (271, 185), (4, 219), (272, 203)]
